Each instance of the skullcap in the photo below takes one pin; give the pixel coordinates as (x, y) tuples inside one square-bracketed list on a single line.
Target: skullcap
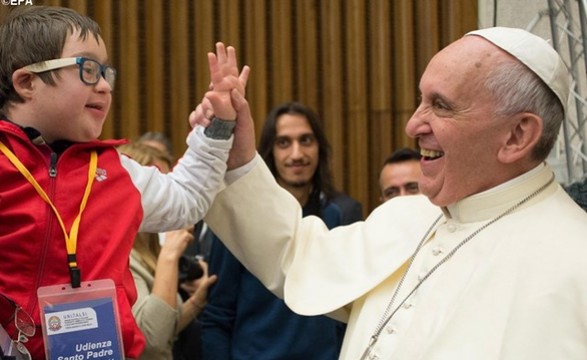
[(534, 52)]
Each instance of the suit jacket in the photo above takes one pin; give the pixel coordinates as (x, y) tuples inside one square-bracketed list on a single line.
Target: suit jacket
[(352, 210)]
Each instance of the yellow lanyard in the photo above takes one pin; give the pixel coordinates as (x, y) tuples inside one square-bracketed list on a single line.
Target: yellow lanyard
[(71, 238)]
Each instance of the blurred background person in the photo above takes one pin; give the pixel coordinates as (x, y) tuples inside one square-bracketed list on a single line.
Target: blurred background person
[(400, 173), (160, 312), (157, 140), (188, 345), (578, 191), (242, 319)]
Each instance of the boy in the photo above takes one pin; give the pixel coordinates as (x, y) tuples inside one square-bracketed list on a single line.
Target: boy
[(70, 205)]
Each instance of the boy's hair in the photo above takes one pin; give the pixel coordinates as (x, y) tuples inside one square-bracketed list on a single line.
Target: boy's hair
[(31, 34)]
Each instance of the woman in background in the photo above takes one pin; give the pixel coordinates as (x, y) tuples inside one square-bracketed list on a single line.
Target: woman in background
[(159, 311)]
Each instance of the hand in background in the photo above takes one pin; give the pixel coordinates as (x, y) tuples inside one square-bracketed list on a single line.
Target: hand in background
[(175, 243), (166, 274), (198, 290)]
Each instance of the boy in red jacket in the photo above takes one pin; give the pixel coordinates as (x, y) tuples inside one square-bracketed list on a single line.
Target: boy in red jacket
[(70, 205)]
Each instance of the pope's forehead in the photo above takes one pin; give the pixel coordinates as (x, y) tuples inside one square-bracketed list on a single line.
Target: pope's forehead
[(459, 71), (465, 61), (472, 50)]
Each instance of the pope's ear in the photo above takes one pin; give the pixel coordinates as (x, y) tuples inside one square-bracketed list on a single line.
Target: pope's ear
[(522, 137), (22, 81)]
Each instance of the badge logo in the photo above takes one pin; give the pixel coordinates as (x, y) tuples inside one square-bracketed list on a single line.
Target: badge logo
[(54, 323)]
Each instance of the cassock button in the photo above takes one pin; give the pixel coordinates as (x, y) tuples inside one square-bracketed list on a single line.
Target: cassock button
[(451, 228), (407, 305), (390, 330), (437, 251)]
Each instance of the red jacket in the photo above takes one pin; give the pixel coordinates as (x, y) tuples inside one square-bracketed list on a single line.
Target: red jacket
[(32, 244)]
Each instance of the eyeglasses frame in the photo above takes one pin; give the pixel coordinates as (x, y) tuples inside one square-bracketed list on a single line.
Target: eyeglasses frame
[(23, 335), (55, 64)]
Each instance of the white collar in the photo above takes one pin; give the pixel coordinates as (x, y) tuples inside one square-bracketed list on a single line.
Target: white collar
[(490, 203)]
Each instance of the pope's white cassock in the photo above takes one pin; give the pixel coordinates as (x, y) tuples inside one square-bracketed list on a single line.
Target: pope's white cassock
[(497, 279)]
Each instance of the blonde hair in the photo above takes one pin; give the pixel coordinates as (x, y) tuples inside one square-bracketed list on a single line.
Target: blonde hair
[(145, 154), (148, 247)]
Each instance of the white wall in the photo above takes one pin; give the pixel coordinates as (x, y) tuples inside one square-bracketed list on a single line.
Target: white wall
[(516, 13)]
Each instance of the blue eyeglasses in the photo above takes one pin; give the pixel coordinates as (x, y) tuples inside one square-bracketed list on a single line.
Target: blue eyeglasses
[(89, 70)]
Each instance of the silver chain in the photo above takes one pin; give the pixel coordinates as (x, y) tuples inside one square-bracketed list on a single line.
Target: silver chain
[(388, 316)]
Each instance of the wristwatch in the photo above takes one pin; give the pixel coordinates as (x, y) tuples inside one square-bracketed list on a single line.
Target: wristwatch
[(220, 129)]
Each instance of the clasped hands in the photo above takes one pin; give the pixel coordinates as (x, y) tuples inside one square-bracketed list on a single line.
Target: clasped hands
[(225, 99)]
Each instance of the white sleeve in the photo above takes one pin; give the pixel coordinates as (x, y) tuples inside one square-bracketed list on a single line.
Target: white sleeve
[(314, 269), (182, 197)]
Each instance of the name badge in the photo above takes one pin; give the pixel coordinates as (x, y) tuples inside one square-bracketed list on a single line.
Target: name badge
[(81, 323)]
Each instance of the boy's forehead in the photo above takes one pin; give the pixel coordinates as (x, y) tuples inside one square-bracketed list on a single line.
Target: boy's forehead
[(89, 45), (75, 32)]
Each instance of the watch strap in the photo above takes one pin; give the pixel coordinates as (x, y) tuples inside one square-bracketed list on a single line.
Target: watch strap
[(220, 129)]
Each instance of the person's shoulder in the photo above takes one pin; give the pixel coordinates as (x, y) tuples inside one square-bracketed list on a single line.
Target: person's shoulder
[(351, 209), (578, 192), (342, 198)]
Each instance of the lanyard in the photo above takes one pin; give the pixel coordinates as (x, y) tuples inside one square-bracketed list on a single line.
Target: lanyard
[(71, 238)]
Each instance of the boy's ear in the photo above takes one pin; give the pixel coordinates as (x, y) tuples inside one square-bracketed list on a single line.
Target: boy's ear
[(522, 138), (22, 81)]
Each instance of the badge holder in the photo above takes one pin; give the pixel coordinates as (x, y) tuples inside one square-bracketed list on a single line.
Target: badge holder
[(81, 323)]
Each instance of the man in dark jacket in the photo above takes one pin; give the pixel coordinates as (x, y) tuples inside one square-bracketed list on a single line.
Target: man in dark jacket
[(243, 320)]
